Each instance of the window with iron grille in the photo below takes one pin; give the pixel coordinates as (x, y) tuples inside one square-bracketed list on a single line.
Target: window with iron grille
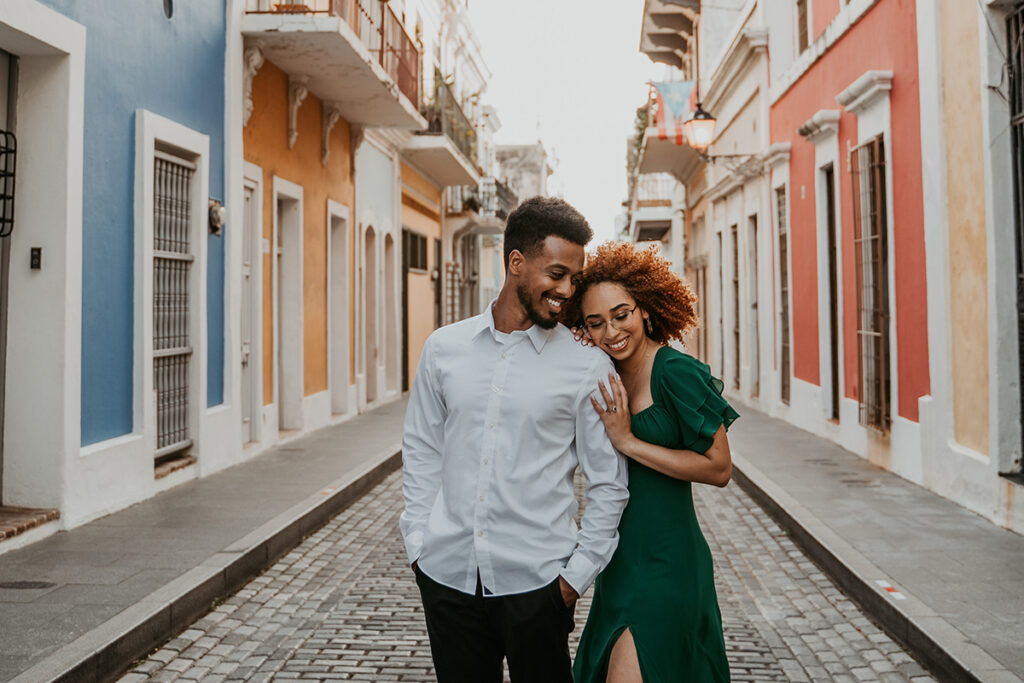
[(415, 249), (784, 369), (870, 239), (8, 158), (736, 305), (172, 267), (802, 38), (719, 253), (1015, 45)]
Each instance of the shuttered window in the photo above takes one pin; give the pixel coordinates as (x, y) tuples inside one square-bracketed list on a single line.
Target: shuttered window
[(870, 237), (784, 367)]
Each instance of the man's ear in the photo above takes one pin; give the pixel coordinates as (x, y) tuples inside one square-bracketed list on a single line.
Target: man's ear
[(516, 261)]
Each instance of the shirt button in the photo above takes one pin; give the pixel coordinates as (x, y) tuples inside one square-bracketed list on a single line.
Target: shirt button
[(479, 533), (481, 499), (486, 460), (503, 356), (496, 389), (490, 426)]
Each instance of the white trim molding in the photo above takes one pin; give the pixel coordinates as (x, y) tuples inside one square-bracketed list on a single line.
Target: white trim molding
[(823, 124), (339, 302), (289, 335), (297, 92), (747, 44), (865, 91), (42, 414), (252, 62), (777, 154)]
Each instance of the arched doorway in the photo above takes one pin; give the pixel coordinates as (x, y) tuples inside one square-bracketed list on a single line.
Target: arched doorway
[(391, 360), (370, 361)]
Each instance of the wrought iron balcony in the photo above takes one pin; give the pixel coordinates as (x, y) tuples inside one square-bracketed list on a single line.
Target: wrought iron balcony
[(353, 52), (445, 116), (491, 199), (447, 149), (496, 199)]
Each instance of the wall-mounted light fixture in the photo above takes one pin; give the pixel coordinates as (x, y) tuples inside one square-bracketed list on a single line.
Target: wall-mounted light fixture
[(218, 215), (700, 129)]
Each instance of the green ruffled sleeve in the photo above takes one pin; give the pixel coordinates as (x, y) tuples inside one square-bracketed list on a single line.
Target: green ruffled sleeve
[(695, 397)]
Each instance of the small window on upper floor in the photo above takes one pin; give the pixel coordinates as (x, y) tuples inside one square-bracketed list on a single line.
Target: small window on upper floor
[(802, 30)]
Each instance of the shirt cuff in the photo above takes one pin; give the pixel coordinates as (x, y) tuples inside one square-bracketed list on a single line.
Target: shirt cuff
[(579, 573), (414, 545)]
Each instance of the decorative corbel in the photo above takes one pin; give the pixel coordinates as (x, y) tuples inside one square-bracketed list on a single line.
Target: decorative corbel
[(356, 134), (329, 118), (297, 92), (252, 61)]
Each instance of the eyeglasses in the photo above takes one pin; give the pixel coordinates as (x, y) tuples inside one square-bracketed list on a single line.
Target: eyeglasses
[(619, 321)]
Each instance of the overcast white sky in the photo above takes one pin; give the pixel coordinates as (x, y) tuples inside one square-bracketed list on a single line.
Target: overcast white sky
[(570, 73)]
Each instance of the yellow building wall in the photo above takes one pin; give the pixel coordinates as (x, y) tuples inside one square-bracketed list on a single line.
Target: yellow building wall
[(266, 144), (421, 204), (968, 266)]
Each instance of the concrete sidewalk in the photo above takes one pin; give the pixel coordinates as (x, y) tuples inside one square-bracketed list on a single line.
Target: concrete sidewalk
[(113, 589), (946, 582)]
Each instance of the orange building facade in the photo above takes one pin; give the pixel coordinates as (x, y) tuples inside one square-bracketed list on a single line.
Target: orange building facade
[(299, 249)]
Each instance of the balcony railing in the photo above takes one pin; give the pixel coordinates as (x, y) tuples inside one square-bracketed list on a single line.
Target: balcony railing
[(496, 198), (377, 27), (490, 199), (445, 116), (655, 188)]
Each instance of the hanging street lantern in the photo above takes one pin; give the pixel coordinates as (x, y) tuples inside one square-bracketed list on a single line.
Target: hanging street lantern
[(700, 129)]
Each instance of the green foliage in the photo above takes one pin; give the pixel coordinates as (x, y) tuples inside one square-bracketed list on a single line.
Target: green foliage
[(633, 151)]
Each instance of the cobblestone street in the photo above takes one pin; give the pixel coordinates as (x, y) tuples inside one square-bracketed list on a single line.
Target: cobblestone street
[(344, 605)]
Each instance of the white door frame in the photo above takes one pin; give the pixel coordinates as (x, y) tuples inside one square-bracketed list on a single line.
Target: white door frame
[(253, 179), (289, 337), (339, 302)]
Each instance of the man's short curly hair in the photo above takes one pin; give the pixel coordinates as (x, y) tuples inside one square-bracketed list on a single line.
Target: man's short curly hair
[(661, 293), (537, 218)]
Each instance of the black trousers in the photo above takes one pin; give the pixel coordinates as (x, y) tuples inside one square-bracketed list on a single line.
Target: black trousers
[(471, 634)]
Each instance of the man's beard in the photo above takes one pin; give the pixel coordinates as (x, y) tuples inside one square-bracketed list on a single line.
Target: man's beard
[(531, 312)]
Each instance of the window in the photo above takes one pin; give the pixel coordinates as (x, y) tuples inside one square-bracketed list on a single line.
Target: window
[(784, 369), (870, 239), (721, 301), (1014, 33), (172, 266), (415, 248), (736, 305), (802, 39), (828, 174)]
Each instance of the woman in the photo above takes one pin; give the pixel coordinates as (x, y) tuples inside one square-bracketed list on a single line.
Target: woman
[(655, 615)]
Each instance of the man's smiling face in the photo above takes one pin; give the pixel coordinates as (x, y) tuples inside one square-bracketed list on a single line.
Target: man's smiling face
[(546, 278)]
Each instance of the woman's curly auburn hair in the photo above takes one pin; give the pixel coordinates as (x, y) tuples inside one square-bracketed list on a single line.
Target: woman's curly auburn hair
[(661, 293)]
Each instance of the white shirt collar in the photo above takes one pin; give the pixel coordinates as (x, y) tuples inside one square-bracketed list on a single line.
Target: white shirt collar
[(537, 334)]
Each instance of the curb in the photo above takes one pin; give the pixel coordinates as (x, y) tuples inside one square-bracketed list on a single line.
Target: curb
[(936, 643), (109, 649)]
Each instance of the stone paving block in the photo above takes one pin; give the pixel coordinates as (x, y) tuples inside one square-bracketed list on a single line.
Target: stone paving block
[(343, 605)]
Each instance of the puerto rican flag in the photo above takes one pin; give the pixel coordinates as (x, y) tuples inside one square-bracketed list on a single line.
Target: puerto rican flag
[(675, 102)]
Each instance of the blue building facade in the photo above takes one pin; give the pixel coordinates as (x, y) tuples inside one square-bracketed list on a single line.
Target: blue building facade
[(140, 56)]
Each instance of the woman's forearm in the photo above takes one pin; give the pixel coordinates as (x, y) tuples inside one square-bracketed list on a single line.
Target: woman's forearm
[(712, 467)]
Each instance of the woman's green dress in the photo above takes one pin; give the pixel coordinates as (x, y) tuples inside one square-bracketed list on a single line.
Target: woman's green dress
[(660, 583)]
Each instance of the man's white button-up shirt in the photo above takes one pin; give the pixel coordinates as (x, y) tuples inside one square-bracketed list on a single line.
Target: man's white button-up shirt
[(496, 424)]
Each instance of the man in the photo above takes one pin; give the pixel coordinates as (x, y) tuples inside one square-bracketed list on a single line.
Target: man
[(498, 419)]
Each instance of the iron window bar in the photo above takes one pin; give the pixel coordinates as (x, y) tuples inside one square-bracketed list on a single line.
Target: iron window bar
[(8, 163), (870, 239), (172, 269)]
